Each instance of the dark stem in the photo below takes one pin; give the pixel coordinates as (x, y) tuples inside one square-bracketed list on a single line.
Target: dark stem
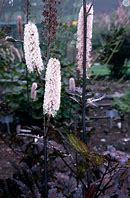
[(84, 74), (107, 185), (27, 88), (27, 85), (45, 158), (68, 165), (27, 10), (90, 7), (84, 99), (45, 169), (75, 173), (102, 179)]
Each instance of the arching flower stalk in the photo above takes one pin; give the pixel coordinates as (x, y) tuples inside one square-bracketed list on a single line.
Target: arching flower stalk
[(80, 38), (52, 88), (32, 49)]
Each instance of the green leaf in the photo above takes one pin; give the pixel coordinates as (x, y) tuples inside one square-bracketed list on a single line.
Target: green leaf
[(82, 148), (78, 145), (97, 159)]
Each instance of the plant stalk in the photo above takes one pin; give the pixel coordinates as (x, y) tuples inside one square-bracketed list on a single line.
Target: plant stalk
[(27, 10), (84, 99), (45, 158)]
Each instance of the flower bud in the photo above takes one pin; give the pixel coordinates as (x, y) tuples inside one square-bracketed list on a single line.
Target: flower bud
[(34, 91), (72, 86), (20, 27)]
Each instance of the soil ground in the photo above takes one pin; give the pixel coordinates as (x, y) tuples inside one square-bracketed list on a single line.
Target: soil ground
[(8, 160), (105, 135)]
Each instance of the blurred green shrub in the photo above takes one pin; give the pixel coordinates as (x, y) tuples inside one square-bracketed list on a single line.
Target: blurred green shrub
[(15, 93), (111, 41), (122, 104)]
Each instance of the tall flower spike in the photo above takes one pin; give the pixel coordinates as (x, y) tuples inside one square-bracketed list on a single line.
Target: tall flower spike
[(50, 19), (32, 49), (52, 88), (80, 38)]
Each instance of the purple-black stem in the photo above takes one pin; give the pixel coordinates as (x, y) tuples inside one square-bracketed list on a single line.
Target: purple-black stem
[(27, 4), (45, 157), (45, 168)]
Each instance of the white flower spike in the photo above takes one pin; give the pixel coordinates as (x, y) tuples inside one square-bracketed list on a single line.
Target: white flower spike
[(52, 88), (32, 49), (80, 38)]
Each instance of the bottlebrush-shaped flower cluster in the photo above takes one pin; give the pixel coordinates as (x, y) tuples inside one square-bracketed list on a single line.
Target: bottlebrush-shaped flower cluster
[(52, 88), (80, 37), (34, 62), (32, 49)]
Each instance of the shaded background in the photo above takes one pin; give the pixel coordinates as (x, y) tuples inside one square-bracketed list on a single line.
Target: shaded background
[(68, 9)]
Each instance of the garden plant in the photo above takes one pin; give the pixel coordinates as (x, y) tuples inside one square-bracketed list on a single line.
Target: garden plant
[(51, 106)]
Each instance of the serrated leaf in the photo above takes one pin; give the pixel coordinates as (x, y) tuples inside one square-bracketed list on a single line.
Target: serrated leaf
[(82, 148), (78, 145), (97, 159)]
